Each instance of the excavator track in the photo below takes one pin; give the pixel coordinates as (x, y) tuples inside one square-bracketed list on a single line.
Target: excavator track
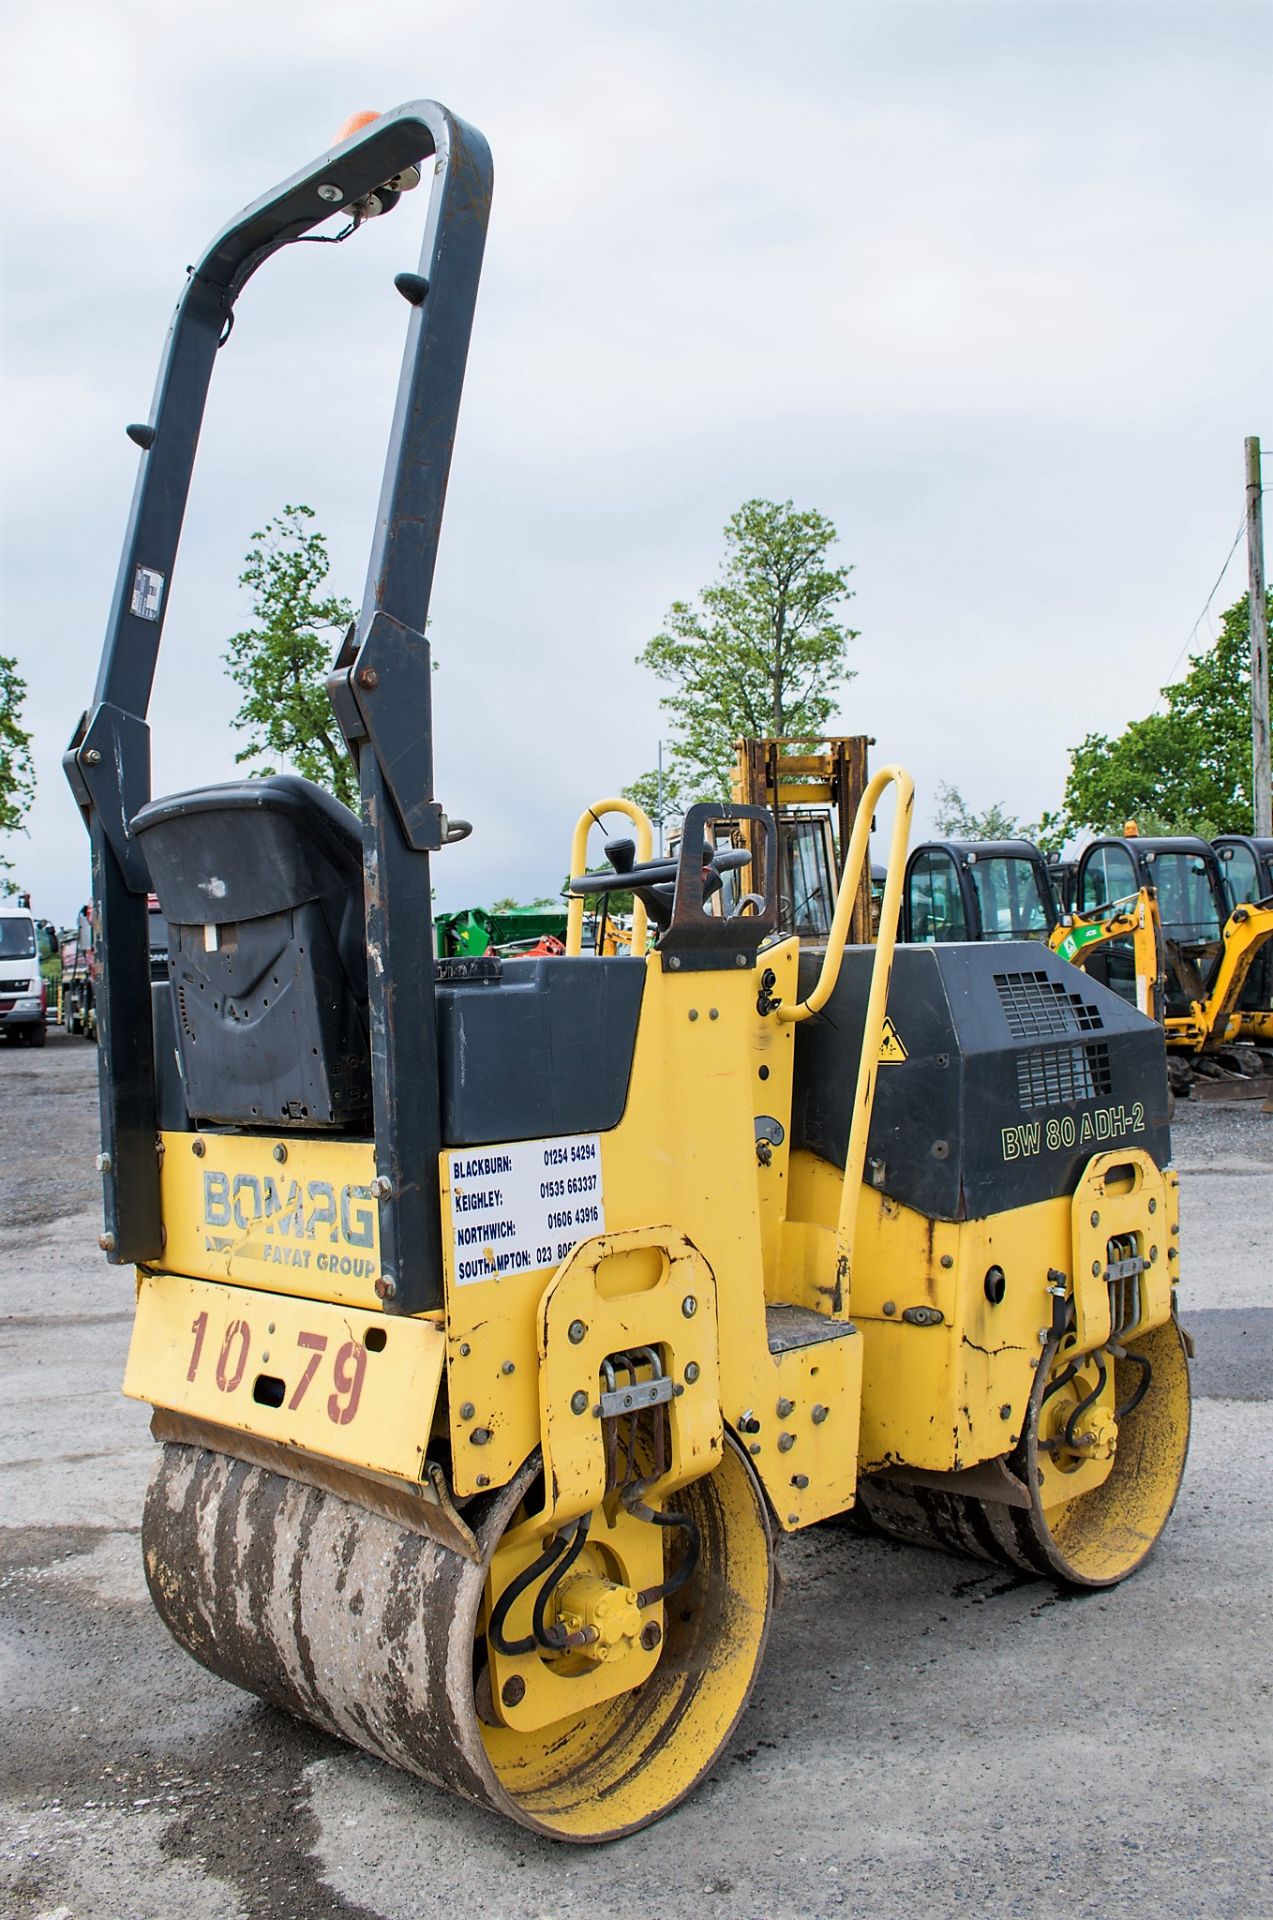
[(1092, 1539), (378, 1635)]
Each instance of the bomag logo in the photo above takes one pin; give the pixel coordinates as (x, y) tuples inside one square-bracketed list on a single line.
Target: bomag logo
[(297, 1228)]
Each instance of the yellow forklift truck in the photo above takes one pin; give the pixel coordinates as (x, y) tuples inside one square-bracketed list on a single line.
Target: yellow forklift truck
[(499, 1317), (812, 789)]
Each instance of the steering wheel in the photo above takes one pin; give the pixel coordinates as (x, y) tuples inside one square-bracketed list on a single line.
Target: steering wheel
[(656, 873), (754, 901), (653, 882), (653, 873)]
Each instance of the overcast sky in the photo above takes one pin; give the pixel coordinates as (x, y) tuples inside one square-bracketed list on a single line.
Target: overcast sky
[(988, 284)]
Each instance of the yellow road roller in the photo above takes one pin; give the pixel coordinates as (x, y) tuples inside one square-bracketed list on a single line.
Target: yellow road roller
[(499, 1317)]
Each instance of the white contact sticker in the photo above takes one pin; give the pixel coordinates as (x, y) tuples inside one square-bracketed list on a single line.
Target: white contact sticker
[(525, 1205), (148, 593)]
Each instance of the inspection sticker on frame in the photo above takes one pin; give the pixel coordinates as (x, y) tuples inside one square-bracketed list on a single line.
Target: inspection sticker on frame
[(523, 1205)]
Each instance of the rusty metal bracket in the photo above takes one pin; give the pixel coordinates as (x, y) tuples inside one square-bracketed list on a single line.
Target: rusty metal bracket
[(389, 687), (581, 1327)]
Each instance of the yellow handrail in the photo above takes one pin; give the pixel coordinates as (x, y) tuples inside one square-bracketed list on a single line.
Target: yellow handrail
[(850, 881), (877, 998), (591, 816)]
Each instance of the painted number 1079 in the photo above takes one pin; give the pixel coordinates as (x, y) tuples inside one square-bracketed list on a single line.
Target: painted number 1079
[(345, 1370)]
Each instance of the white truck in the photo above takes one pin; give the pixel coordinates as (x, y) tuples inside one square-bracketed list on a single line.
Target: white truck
[(24, 995)]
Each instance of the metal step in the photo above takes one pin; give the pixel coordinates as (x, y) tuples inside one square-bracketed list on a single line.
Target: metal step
[(789, 1327)]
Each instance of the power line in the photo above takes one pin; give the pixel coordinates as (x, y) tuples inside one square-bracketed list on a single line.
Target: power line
[(1207, 603)]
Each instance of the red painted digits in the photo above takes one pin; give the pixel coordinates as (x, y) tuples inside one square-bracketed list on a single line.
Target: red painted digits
[(198, 1328), (317, 1346), (351, 1364), (237, 1330)]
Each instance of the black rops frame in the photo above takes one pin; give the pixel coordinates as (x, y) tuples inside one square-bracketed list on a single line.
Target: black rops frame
[(382, 689), (1144, 851), (984, 851)]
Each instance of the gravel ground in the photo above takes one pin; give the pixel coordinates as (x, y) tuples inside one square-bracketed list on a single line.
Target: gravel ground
[(48, 1131), (928, 1736)]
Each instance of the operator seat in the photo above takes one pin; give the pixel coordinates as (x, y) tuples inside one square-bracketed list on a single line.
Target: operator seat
[(261, 884)]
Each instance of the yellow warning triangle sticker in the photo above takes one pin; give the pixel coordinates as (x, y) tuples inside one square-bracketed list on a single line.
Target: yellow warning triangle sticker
[(891, 1047)]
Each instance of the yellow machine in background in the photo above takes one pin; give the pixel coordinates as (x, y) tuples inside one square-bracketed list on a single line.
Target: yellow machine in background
[(1187, 974), (812, 790), (501, 1316), (1153, 921)]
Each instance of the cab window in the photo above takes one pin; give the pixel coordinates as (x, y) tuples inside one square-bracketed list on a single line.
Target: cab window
[(1239, 868), (807, 879), (1010, 899), (935, 906), (17, 938), (1108, 875), (1185, 899)]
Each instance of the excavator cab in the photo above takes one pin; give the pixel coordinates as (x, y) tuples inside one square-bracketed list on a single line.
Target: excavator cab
[(1061, 873), (500, 1316), (1185, 875), (1247, 865), (977, 890)]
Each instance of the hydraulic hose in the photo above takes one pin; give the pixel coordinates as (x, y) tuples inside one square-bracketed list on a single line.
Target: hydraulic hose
[(554, 1637), (1102, 1375), (648, 1595), (513, 1591)]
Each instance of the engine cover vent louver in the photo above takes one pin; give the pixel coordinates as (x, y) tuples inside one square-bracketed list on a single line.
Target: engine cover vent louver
[(1035, 1005), (1063, 1076)]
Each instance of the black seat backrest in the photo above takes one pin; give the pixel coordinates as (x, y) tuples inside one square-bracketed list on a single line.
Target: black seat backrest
[(261, 884)]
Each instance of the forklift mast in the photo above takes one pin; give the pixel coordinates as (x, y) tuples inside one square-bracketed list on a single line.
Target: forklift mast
[(812, 789)]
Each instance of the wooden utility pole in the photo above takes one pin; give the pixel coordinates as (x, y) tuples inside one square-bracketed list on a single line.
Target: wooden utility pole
[(1259, 644)]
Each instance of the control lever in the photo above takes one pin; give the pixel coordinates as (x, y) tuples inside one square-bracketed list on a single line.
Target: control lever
[(621, 853)]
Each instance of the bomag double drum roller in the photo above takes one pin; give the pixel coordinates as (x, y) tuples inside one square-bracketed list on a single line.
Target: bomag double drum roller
[(499, 1318)]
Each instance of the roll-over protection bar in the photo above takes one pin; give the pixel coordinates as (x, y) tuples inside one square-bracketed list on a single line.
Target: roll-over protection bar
[(381, 689)]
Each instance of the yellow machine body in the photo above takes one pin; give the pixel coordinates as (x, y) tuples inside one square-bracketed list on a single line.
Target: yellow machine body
[(691, 1263), (706, 1329), (266, 1319)]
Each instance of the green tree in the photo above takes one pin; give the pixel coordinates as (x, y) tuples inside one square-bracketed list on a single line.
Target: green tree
[(17, 772), (954, 817), (761, 653), (662, 797), (281, 664), (1186, 768)]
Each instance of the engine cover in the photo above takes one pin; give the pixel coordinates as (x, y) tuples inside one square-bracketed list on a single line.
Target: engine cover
[(1003, 1070)]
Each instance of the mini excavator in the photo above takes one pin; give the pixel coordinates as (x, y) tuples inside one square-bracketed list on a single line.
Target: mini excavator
[(1247, 865), (500, 1316), (1157, 921)]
